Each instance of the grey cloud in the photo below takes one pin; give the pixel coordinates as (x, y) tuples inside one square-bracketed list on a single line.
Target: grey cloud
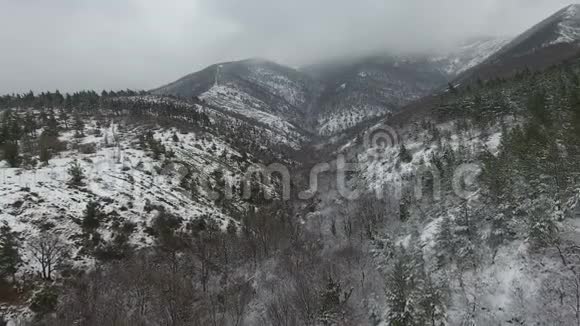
[(140, 44)]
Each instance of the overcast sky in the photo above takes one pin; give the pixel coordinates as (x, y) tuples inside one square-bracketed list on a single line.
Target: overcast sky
[(140, 44)]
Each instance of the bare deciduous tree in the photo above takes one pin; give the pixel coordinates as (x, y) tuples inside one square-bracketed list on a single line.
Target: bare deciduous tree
[(48, 250)]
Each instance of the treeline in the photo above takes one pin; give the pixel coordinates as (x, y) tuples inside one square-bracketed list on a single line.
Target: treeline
[(56, 99), (28, 137)]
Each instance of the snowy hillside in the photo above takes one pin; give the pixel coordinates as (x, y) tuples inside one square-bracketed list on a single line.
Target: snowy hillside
[(231, 112), (324, 99), (128, 184), (358, 90), (124, 179), (493, 218), (550, 42), (562, 27), (470, 54), (257, 84), (135, 170), (568, 25), (230, 98)]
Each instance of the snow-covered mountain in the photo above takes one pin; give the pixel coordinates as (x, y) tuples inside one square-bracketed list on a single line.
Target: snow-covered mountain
[(357, 90), (327, 98), (470, 54), (126, 182), (260, 89), (568, 30), (561, 27), (550, 42)]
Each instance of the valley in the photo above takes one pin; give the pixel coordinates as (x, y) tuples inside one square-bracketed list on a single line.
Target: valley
[(437, 189)]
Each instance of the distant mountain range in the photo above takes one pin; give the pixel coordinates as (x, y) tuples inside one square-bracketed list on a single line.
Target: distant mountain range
[(328, 98)]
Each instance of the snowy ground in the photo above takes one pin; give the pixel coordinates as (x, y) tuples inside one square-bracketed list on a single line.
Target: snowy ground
[(119, 176)]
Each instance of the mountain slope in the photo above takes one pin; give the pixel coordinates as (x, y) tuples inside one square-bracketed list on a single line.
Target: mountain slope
[(141, 159), (485, 186), (470, 54), (257, 88), (550, 42), (357, 90), (326, 98)]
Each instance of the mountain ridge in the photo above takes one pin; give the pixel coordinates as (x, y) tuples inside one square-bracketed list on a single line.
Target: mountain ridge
[(551, 41)]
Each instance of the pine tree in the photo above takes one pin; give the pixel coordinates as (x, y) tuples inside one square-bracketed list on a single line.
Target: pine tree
[(466, 237), (432, 308), (79, 127), (64, 117), (445, 242), (12, 154), (332, 297), (404, 154), (30, 124), (9, 251), (542, 222), (76, 173), (500, 229), (52, 125), (45, 144), (92, 216), (538, 108), (400, 285)]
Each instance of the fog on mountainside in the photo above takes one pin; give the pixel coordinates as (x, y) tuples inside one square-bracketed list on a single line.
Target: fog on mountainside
[(423, 173), (114, 45)]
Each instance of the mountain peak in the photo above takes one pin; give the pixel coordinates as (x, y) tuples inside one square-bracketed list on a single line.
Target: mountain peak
[(568, 29), (575, 7), (551, 41)]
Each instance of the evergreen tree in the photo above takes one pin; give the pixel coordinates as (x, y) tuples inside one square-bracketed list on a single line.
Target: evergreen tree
[(92, 216), (46, 144), (165, 227), (332, 297), (79, 126), (76, 173), (52, 125), (432, 308), (9, 251), (538, 108), (30, 125), (542, 222), (445, 242), (404, 210), (64, 117), (404, 154), (400, 287), (466, 237), (12, 154)]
